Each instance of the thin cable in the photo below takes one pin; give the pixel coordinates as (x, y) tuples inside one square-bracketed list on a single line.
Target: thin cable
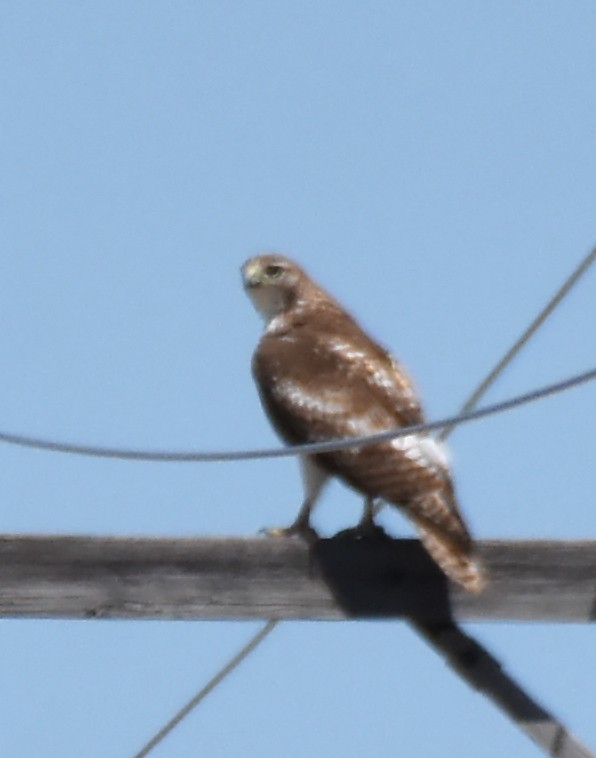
[(502, 364), (468, 657), (168, 456), (211, 684), (447, 424), (468, 405)]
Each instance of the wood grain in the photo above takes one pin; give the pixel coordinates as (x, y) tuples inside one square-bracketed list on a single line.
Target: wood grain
[(279, 578)]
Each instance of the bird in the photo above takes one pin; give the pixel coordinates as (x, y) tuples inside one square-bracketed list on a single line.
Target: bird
[(320, 376)]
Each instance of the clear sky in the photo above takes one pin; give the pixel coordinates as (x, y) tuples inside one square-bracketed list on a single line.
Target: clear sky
[(433, 164)]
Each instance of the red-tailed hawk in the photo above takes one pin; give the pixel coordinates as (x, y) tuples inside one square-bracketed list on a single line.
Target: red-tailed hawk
[(321, 377)]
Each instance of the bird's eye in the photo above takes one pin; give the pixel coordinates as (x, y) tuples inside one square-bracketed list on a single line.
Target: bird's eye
[(273, 271)]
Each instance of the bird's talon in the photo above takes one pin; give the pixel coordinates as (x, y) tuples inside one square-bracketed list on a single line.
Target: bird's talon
[(304, 531), (273, 531)]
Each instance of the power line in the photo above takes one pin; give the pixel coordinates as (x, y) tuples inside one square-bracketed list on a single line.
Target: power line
[(211, 684), (168, 456), (466, 413), (487, 382), (533, 327)]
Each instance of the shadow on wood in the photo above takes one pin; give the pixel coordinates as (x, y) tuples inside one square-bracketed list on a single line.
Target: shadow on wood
[(382, 577)]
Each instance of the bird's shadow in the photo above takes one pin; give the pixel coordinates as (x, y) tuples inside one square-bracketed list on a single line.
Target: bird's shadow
[(378, 576)]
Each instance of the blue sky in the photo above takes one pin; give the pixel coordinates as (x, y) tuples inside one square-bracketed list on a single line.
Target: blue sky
[(434, 166)]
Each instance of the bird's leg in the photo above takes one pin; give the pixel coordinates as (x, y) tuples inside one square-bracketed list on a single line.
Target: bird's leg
[(366, 527), (367, 522), (314, 479), (300, 527)]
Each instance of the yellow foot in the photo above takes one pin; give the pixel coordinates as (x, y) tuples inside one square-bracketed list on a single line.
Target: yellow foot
[(305, 531)]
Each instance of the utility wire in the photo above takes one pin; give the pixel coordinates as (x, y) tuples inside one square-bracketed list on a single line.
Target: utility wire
[(469, 658), (452, 643), (168, 456), (447, 424), (211, 684), (501, 365)]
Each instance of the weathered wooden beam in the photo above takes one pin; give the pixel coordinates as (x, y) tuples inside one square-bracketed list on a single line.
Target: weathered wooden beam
[(248, 578)]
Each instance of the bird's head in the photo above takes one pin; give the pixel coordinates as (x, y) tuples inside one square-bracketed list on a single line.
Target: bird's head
[(274, 283)]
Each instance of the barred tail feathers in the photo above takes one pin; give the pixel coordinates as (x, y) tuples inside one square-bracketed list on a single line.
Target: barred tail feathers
[(445, 536)]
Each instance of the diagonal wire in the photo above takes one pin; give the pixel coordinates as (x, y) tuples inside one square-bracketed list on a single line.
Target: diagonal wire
[(470, 659), (452, 642), (501, 365), (211, 684)]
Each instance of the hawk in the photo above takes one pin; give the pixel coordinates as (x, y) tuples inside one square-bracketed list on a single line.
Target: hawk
[(321, 377)]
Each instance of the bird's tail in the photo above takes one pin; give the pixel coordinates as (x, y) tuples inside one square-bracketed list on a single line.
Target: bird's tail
[(445, 536)]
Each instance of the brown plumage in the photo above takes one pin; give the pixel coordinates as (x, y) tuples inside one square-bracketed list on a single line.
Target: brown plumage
[(321, 377)]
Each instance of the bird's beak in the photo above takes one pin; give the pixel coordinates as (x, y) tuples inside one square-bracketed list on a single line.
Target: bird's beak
[(251, 275)]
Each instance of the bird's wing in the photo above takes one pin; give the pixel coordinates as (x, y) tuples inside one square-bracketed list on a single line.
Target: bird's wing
[(385, 376), (316, 386)]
